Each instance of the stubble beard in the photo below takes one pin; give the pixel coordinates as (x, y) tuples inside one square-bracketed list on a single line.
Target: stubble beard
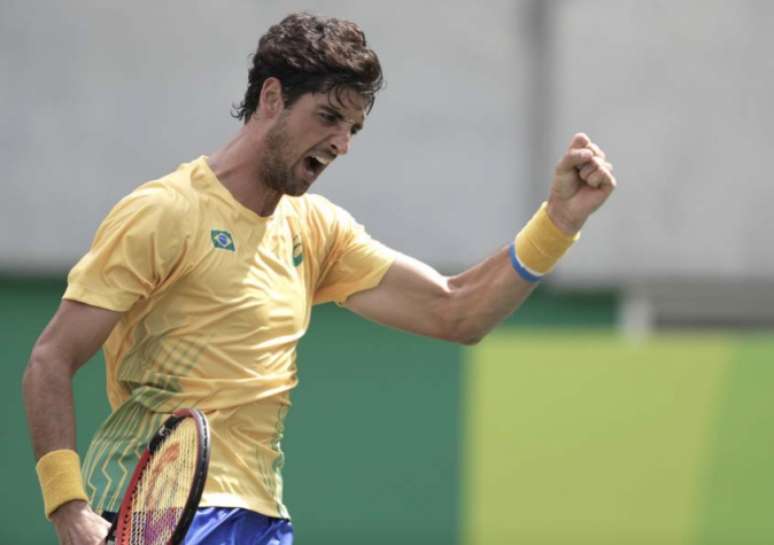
[(276, 170)]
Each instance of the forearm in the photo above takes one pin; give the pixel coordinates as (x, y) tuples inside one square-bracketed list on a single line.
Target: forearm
[(481, 297), (48, 400), (70, 339), (414, 297), (484, 295)]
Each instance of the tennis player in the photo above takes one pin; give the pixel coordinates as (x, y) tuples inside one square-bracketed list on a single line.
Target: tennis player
[(199, 285)]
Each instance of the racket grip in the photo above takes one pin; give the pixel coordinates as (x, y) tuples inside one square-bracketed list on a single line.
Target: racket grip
[(111, 537)]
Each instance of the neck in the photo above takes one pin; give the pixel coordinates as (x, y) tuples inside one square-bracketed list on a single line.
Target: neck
[(237, 167)]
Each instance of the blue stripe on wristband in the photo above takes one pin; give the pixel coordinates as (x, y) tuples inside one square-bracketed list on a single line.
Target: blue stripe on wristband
[(521, 269)]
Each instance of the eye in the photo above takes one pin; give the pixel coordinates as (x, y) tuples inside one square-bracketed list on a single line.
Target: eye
[(328, 118)]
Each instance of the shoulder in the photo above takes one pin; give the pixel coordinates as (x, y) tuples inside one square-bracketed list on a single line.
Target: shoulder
[(175, 192), (170, 198), (161, 210)]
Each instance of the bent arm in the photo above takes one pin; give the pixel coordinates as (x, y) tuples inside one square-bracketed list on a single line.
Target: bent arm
[(414, 297), (464, 308), (74, 335)]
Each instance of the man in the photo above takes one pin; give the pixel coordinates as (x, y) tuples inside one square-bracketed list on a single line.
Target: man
[(200, 284)]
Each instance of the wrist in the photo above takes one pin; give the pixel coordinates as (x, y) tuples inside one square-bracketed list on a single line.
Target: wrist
[(563, 220), (539, 245), (59, 472)]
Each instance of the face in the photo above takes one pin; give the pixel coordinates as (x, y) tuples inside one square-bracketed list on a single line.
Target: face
[(308, 136)]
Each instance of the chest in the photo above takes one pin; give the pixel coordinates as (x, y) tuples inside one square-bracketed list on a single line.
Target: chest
[(248, 280)]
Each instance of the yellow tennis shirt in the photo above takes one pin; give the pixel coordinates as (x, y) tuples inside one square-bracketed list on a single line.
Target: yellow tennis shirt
[(215, 299)]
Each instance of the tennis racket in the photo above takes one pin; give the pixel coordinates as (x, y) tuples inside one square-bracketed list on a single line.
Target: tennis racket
[(166, 485)]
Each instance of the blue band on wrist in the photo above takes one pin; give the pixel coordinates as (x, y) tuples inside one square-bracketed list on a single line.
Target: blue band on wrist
[(519, 268)]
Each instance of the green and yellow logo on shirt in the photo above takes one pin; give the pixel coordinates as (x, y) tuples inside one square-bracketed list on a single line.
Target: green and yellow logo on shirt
[(298, 251), (222, 240)]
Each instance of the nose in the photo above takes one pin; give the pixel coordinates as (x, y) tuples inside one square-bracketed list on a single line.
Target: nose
[(341, 142)]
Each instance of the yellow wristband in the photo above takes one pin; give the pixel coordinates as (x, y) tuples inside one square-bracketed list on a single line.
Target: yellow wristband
[(59, 473), (539, 245)]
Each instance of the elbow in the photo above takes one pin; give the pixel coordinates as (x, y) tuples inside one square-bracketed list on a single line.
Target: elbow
[(464, 340), (30, 379), (34, 372), (464, 337), (43, 367), (467, 336), (458, 324), (471, 340), (46, 377)]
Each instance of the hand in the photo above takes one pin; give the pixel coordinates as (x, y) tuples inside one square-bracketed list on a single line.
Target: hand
[(77, 524), (583, 180)]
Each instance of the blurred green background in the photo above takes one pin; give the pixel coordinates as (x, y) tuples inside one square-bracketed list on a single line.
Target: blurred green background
[(553, 430)]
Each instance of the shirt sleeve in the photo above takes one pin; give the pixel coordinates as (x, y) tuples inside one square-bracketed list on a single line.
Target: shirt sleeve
[(137, 249), (354, 262)]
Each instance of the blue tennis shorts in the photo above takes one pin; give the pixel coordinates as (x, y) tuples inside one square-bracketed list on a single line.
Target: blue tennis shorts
[(234, 526)]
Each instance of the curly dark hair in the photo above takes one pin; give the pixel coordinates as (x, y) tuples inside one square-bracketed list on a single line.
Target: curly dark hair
[(312, 54)]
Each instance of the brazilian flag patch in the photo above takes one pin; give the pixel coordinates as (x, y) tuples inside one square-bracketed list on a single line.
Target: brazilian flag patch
[(222, 240), (298, 251)]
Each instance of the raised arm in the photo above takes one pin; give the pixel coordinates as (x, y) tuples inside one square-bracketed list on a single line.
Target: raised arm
[(464, 308), (414, 297), (74, 334)]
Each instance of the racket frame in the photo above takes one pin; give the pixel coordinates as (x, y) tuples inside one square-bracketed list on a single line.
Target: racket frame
[(199, 477)]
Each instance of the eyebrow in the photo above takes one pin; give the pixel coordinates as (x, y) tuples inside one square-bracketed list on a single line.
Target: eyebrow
[(356, 127)]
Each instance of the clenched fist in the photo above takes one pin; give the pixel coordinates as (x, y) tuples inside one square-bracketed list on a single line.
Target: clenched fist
[(583, 180), (77, 524)]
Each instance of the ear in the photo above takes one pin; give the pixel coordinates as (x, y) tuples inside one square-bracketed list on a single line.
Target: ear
[(271, 102)]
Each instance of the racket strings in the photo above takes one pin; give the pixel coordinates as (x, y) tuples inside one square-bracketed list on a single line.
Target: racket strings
[(163, 488)]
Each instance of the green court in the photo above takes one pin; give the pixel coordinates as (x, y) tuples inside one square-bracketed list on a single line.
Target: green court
[(585, 438)]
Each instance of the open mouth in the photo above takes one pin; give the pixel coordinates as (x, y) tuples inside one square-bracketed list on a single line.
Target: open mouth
[(313, 165), (316, 163)]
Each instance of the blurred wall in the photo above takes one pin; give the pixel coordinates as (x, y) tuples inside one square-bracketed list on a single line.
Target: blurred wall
[(679, 93), (102, 97), (96, 98)]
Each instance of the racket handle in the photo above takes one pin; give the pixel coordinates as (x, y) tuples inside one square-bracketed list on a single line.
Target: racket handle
[(111, 537)]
